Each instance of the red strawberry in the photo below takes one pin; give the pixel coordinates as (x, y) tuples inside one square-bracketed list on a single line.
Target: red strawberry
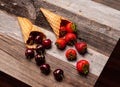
[(60, 43), (71, 28), (62, 31), (81, 47), (71, 54), (82, 66), (70, 39)]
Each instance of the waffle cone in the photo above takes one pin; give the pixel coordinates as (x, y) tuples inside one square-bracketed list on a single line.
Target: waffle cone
[(53, 19), (27, 27)]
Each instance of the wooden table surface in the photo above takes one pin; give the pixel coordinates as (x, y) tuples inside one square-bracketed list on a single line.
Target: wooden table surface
[(12, 48), (14, 63), (110, 76), (112, 3)]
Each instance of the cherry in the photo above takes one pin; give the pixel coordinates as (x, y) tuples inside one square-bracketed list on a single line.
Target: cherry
[(45, 68), (34, 33), (30, 40), (29, 53), (39, 39), (40, 49), (35, 37), (40, 59), (58, 74), (47, 43)]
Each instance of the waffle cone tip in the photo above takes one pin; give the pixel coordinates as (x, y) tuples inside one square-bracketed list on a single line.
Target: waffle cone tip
[(27, 27), (54, 20)]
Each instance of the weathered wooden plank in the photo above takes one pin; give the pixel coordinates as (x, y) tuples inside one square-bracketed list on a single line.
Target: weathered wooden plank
[(91, 10), (112, 3), (88, 29), (96, 34), (14, 63), (8, 81), (9, 26), (110, 75), (19, 8), (99, 37)]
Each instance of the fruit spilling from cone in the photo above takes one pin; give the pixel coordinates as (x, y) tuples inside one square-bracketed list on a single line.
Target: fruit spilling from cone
[(66, 32), (37, 42)]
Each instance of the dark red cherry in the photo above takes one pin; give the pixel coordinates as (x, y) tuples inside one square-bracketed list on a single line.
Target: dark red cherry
[(40, 59), (47, 43), (39, 39), (30, 40), (40, 49), (45, 68), (58, 74), (29, 53), (34, 33)]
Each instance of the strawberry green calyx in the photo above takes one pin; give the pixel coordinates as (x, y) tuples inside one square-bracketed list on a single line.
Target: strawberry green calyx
[(84, 50), (70, 39), (62, 33), (85, 69), (73, 27), (71, 54), (60, 43), (82, 67), (71, 57), (72, 42), (57, 44), (81, 47)]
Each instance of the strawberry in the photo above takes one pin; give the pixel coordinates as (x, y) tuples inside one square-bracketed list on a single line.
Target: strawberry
[(62, 31), (60, 43), (71, 54), (71, 28), (82, 66), (70, 39), (81, 47)]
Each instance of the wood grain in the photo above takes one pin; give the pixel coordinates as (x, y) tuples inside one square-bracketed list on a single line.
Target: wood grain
[(9, 26), (110, 76), (112, 3), (96, 34), (100, 13), (14, 63), (101, 36), (19, 8), (8, 81)]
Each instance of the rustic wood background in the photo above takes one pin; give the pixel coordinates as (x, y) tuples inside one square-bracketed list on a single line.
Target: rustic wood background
[(91, 31), (112, 3), (11, 28), (14, 63), (98, 27), (8, 81), (110, 75)]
